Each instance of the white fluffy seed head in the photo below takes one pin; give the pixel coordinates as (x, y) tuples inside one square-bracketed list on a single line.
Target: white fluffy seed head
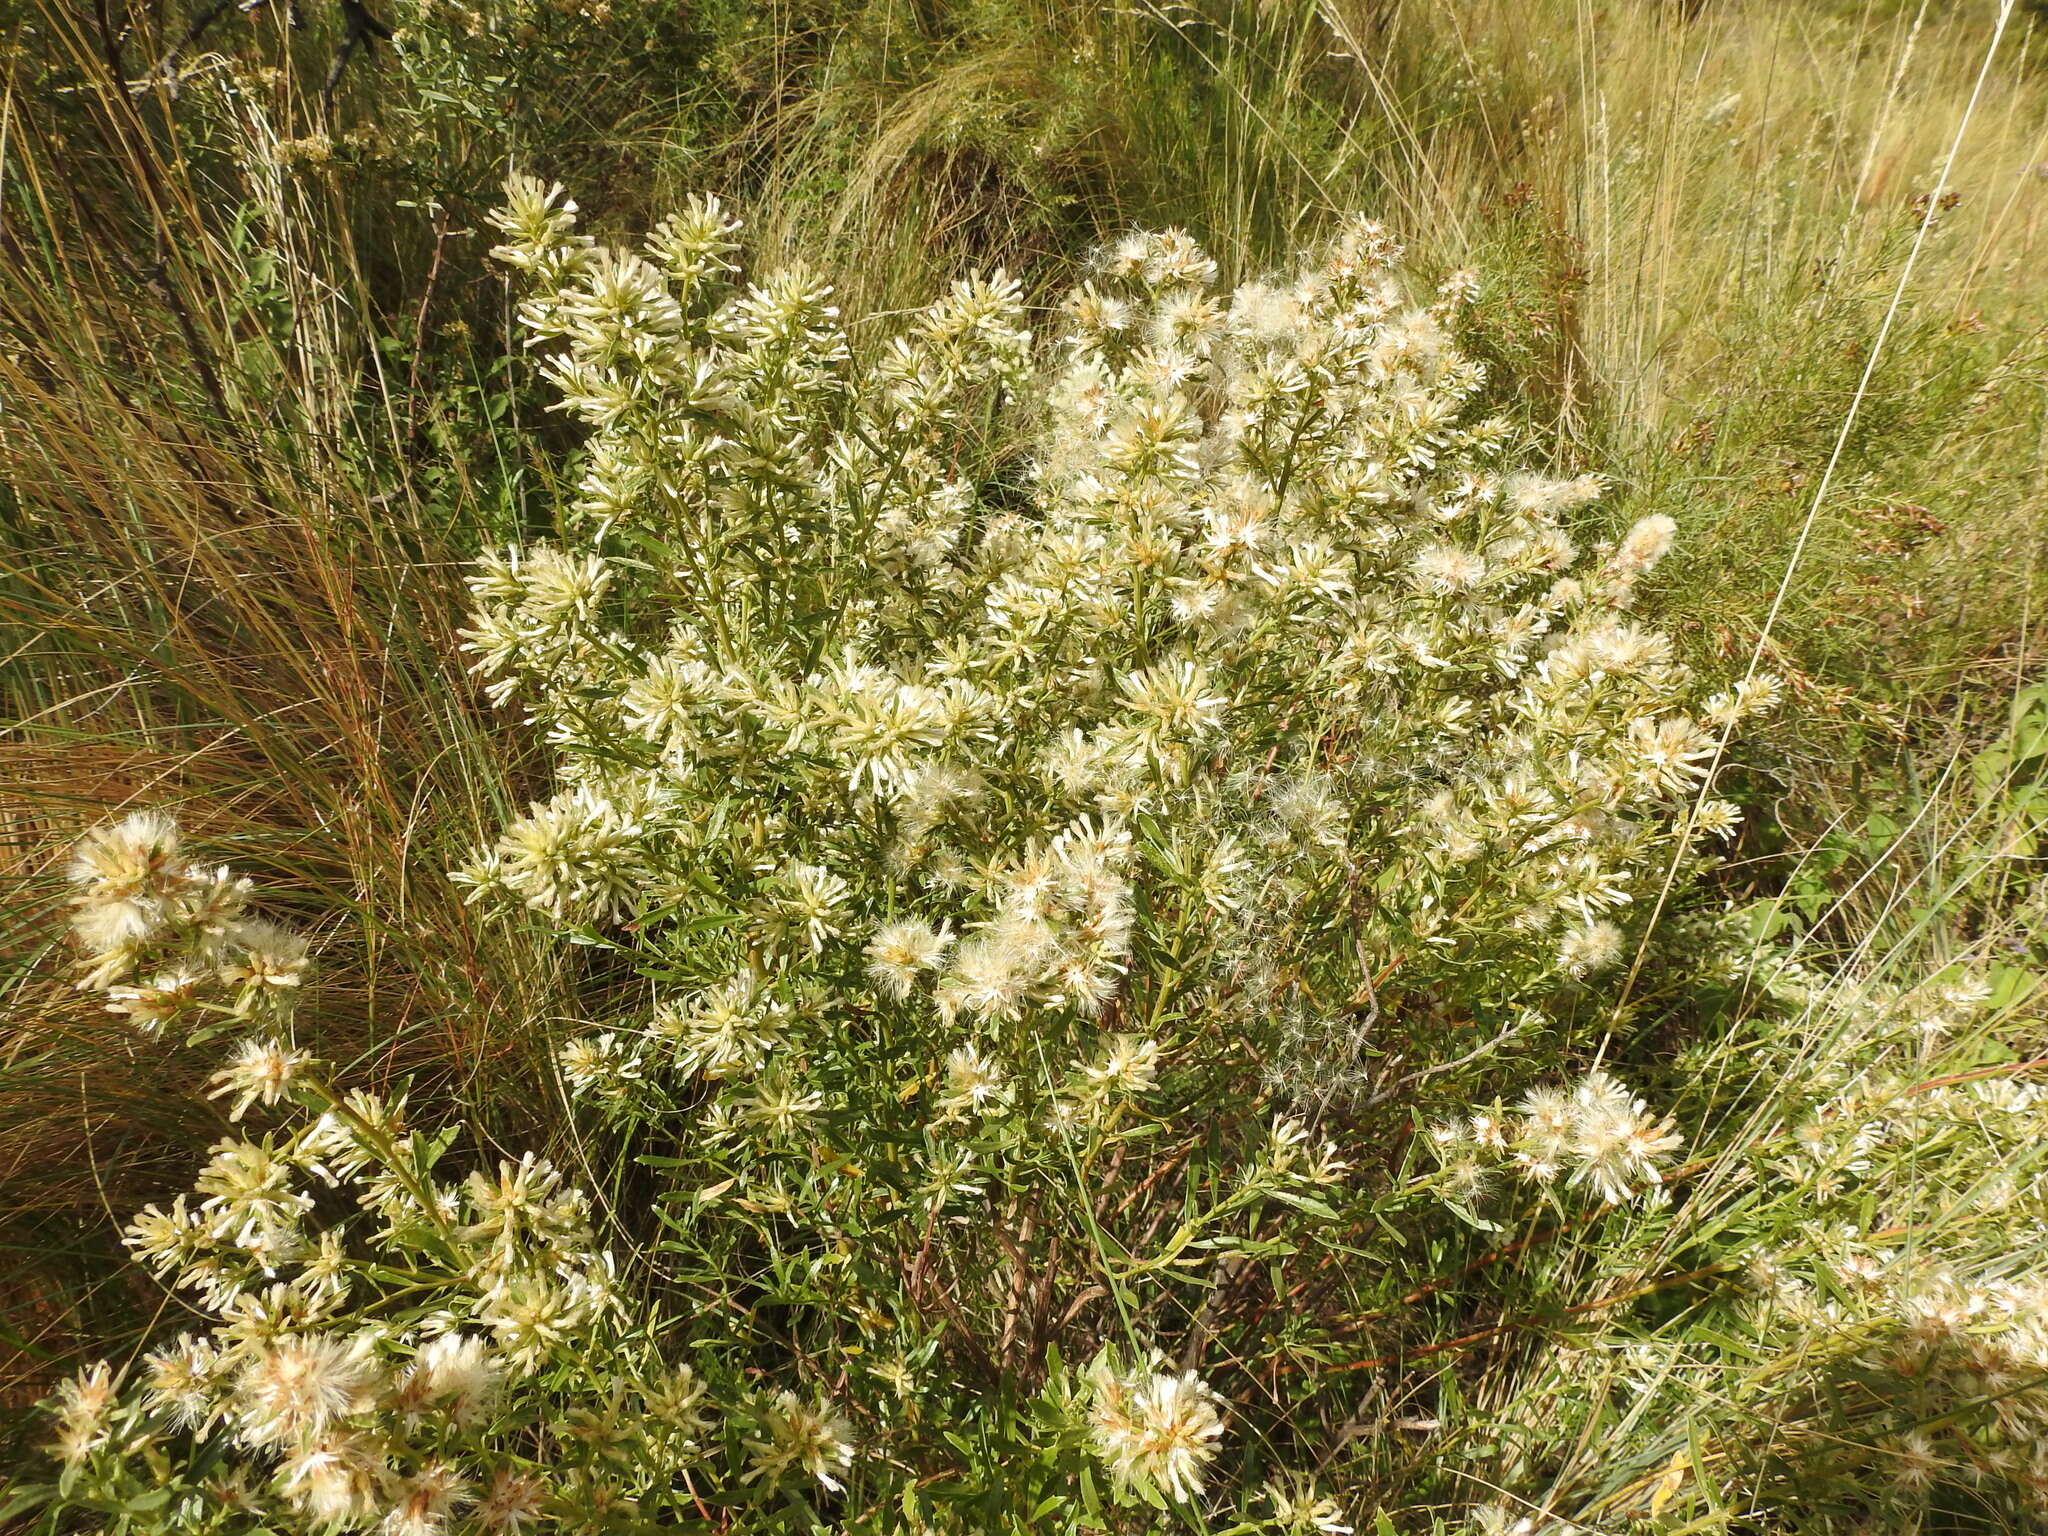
[(296, 1387)]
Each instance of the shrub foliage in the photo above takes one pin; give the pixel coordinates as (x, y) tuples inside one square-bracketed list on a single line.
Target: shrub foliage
[(1129, 864)]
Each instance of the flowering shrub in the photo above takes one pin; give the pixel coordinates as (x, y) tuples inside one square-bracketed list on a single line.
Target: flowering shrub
[(1256, 614), (860, 710), (391, 1344), (1057, 805), (992, 760), (384, 1345), (388, 1346)]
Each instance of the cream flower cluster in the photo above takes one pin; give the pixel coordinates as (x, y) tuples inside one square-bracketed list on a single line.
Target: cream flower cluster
[(1597, 1134), (161, 935), (383, 1345), (1155, 1427)]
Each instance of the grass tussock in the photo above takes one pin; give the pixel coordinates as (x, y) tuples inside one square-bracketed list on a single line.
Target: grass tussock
[(226, 594)]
